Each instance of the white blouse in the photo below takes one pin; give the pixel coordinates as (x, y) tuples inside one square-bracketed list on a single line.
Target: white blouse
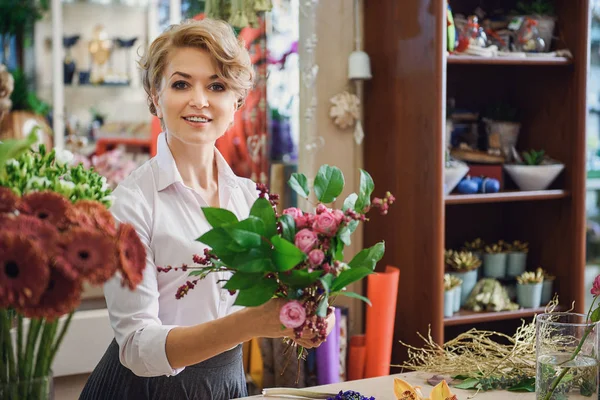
[(168, 218)]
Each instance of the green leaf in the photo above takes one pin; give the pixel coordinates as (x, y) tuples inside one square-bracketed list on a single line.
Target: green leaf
[(350, 202), (327, 281), (251, 224), (368, 257), (263, 210), (220, 241), (595, 317), (329, 183), (338, 249), (195, 273), (526, 385), (288, 226), (299, 183), (243, 280), (12, 148), (254, 260), (217, 217), (365, 191), (258, 294), (285, 255), (244, 238), (323, 305), (355, 296), (469, 383), (299, 279), (349, 276), (346, 232)]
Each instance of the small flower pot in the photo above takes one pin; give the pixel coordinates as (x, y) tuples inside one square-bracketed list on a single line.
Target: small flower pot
[(547, 291), (515, 263), (529, 295), (448, 303), (494, 265), (469, 279), (457, 294)]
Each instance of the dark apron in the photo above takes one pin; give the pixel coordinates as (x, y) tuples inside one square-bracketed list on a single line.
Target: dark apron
[(218, 378)]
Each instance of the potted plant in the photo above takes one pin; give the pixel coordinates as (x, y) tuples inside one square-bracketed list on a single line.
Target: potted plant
[(463, 265), (516, 258), (476, 247), (448, 296), (456, 284), (529, 289), (541, 11), (494, 260), (534, 171), (547, 286)]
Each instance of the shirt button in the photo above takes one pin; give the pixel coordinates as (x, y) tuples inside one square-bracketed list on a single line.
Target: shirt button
[(223, 296)]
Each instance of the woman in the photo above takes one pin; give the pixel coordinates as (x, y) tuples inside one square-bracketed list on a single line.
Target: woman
[(196, 76)]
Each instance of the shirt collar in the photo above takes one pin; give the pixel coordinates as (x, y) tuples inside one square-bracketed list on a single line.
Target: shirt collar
[(169, 174)]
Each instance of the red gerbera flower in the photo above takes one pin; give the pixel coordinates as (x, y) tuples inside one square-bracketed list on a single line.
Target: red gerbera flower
[(8, 200), (132, 255), (62, 296), (44, 233), (24, 269), (49, 206), (91, 253), (99, 214)]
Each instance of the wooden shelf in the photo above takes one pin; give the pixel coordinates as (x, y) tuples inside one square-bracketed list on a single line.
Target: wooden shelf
[(475, 60), (503, 197), (464, 317)]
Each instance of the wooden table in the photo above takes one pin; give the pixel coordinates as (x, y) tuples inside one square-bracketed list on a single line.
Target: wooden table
[(382, 388)]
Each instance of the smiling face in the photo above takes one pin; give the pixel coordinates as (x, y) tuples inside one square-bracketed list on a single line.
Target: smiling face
[(195, 106)]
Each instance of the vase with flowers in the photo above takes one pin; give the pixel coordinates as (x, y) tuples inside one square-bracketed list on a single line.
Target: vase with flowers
[(56, 234)]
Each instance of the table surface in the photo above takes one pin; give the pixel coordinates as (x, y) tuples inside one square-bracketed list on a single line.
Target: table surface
[(382, 388)]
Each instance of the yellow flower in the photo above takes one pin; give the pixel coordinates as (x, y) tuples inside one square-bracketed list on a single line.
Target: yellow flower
[(405, 391)]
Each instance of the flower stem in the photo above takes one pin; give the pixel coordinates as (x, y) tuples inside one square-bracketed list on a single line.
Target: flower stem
[(4, 321), (7, 347), (566, 369), (20, 345), (61, 336)]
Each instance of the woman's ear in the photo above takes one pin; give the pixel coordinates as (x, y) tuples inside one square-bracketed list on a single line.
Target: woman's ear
[(157, 106)]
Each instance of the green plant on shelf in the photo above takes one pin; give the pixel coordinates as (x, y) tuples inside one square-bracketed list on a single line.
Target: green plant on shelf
[(547, 276), (448, 254), (455, 281), (517, 247), (463, 261), (495, 248), (477, 245), (535, 7), (529, 277), (534, 157)]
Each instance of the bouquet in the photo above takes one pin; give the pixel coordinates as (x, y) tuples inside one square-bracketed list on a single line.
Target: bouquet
[(55, 234), (298, 256)]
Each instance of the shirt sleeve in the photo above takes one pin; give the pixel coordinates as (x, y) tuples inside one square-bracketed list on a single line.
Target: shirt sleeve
[(134, 314)]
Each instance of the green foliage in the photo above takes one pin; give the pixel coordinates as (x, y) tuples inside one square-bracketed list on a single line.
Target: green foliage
[(19, 15), (366, 189), (23, 99), (536, 7), (533, 157), (329, 183), (299, 183)]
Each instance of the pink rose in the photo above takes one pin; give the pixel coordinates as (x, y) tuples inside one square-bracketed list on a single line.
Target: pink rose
[(316, 257), (294, 212), (326, 224), (306, 240), (321, 208), (596, 288), (292, 314), (338, 215)]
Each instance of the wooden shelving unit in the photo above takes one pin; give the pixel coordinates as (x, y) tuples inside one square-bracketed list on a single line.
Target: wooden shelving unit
[(405, 112)]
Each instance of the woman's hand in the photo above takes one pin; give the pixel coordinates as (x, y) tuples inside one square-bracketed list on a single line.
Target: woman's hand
[(307, 341)]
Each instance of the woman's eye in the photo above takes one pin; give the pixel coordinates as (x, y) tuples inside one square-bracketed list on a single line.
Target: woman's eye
[(179, 85), (217, 87)]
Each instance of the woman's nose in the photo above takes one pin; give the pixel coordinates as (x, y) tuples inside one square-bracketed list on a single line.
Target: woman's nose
[(199, 98)]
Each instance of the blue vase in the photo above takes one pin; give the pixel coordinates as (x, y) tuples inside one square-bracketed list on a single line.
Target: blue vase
[(547, 291), (516, 263), (529, 295), (457, 294), (469, 280), (494, 265), (448, 303)]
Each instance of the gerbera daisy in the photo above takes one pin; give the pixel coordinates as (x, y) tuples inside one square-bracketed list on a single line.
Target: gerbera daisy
[(35, 229), (62, 296), (99, 214), (49, 206), (91, 253), (132, 255), (8, 200), (24, 269)]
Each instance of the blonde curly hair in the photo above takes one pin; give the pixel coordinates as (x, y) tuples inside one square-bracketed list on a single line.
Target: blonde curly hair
[(7, 84), (217, 37)]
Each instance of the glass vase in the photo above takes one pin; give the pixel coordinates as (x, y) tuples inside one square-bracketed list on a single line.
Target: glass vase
[(31, 389), (566, 357)]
